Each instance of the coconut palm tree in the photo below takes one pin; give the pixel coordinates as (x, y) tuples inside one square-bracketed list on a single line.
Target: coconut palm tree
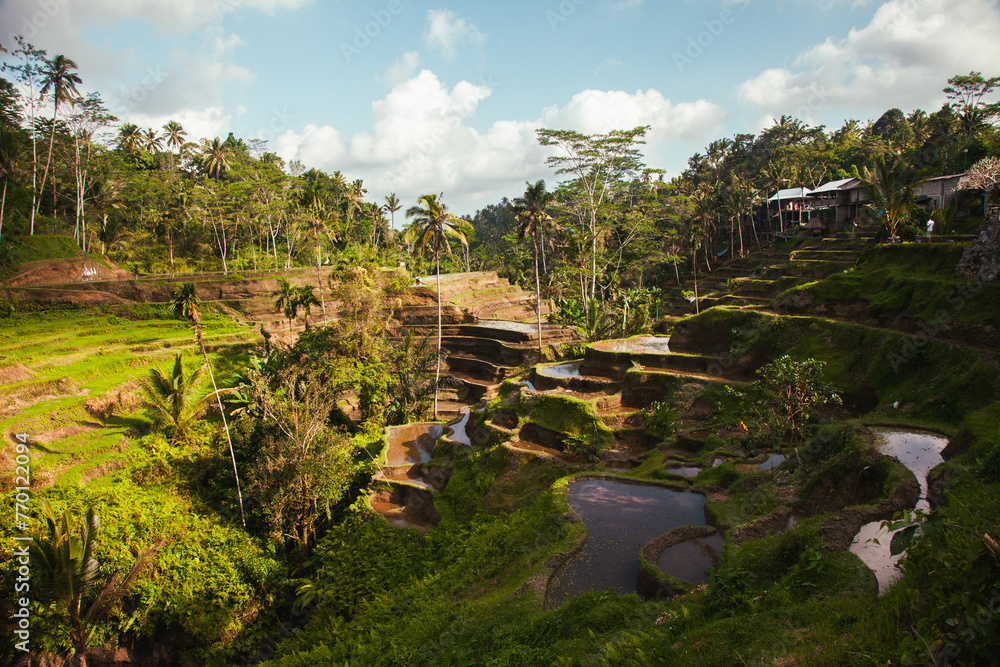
[(129, 137), (392, 205), (305, 298), (64, 556), (432, 223), (151, 141), (286, 299), (891, 193), (184, 302), (317, 227), (215, 158), (174, 134), (172, 398), (531, 213), (61, 80), (8, 164)]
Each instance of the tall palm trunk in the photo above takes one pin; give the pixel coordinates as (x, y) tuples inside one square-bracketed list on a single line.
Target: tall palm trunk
[(222, 411), (48, 161), (697, 306), (319, 281), (437, 372), (538, 300), (3, 200)]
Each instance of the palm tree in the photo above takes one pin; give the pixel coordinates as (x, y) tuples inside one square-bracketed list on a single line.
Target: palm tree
[(431, 224), (172, 398), (152, 142), (304, 297), (215, 158), (891, 191), (174, 134), (317, 230), (60, 78), (184, 302), (8, 164), (531, 213), (392, 205), (129, 137), (286, 299), (65, 558)]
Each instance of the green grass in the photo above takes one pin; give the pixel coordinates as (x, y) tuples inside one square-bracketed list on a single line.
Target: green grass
[(73, 356)]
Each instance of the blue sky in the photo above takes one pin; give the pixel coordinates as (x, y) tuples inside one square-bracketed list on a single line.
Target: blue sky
[(417, 97)]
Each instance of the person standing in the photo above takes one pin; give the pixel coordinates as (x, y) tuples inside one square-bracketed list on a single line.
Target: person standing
[(930, 228)]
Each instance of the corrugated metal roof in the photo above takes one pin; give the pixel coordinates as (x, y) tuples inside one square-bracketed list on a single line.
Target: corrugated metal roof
[(791, 193), (832, 185)]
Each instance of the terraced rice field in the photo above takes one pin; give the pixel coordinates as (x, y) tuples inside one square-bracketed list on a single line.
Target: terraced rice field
[(72, 380)]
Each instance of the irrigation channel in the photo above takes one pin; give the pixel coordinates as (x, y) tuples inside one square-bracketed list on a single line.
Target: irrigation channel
[(919, 452)]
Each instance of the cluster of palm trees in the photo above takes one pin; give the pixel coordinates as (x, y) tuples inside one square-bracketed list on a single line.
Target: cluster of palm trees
[(132, 138)]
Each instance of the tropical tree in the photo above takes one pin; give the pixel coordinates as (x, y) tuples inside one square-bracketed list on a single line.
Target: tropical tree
[(598, 163), (129, 137), (184, 302), (305, 298), (174, 134), (64, 557), (8, 164), (173, 398), (215, 158), (151, 141), (429, 231), (891, 193), (286, 300), (61, 80), (392, 205), (985, 176), (532, 213), (967, 92)]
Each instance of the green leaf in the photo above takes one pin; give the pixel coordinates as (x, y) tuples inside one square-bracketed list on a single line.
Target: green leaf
[(901, 540)]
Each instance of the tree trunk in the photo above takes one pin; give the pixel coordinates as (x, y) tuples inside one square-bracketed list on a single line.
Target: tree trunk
[(222, 411), (437, 372), (3, 200), (48, 161), (538, 302), (319, 281), (697, 307)]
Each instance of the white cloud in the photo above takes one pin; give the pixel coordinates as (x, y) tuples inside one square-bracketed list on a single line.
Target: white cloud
[(902, 58), (422, 139), (402, 69), (597, 111), (445, 31), (198, 123)]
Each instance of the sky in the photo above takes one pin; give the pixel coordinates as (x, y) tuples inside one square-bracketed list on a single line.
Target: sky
[(445, 96)]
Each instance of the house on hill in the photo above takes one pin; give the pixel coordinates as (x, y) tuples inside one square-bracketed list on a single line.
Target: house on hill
[(791, 210), (837, 205), (939, 192)]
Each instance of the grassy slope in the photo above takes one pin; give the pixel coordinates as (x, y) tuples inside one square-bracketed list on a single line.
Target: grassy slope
[(58, 362), (781, 599)]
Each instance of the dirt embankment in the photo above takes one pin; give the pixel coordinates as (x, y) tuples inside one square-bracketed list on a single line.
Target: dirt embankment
[(62, 271)]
